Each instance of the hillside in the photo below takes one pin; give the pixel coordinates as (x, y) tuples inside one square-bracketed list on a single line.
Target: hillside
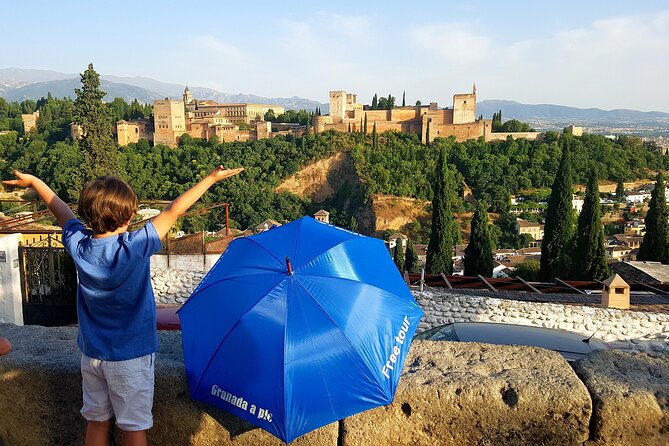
[(320, 181)]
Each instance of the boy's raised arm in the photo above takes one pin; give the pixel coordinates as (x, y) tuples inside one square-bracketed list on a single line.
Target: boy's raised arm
[(164, 221), (58, 207)]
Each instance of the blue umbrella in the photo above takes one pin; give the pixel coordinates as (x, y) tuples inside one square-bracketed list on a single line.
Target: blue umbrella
[(297, 327)]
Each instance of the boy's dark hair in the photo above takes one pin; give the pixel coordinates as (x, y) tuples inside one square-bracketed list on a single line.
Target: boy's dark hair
[(107, 203)]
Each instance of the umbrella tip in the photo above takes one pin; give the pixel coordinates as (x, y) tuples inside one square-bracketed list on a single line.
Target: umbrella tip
[(289, 266)]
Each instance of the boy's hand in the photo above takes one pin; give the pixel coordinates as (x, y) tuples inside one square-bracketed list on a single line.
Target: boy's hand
[(221, 173), (22, 180)]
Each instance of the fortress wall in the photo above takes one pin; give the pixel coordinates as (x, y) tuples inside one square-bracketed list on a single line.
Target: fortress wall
[(449, 394), (461, 132), (515, 135), (626, 330), (405, 114)]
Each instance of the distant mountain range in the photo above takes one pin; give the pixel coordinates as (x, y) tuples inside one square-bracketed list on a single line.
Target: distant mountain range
[(525, 112), (20, 84)]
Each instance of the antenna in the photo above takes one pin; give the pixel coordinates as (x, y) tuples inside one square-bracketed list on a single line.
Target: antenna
[(587, 340)]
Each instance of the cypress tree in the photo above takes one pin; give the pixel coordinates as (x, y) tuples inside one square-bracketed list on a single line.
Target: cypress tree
[(427, 133), (361, 126), (349, 127), (375, 137), (364, 127), (655, 245), (440, 247), (590, 255), (558, 230), (620, 190), (375, 102), (404, 102), (101, 156), (478, 254), (399, 255), (411, 258)]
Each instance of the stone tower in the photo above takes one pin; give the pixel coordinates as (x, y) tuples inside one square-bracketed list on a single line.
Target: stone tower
[(188, 97)]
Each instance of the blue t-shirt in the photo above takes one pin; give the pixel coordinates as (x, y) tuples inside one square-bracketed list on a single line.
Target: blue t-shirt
[(115, 303)]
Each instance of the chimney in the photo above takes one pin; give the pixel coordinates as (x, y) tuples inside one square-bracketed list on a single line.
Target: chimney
[(616, 293)]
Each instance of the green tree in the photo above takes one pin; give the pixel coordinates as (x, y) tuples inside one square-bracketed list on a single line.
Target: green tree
[(440, 247), (364, 127), (411, 258), (404, 97), (589, 262), (655, 245), (399, 255), (558, 230), (620, 190), (101, 156), (375, 137), (375, 102), (478, 254), (528, 270), (269, 115)]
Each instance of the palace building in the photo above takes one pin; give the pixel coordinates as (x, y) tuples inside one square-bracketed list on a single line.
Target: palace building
[(429, 121)]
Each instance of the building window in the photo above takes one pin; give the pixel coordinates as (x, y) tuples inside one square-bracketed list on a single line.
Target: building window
[(620, 290)]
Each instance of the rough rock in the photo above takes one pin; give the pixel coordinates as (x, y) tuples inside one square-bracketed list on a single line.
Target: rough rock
[(470, 393), (630, 395), (40, 397)]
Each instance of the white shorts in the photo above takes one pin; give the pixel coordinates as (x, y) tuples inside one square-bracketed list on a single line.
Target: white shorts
[(123, 389)]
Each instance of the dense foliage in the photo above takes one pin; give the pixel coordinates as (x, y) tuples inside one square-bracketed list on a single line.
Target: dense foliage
[(556, 246), (440, 247), (655, 245), (478, 254), (97, 143), (589, 262)]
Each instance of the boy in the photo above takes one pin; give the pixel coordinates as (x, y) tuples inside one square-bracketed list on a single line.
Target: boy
[(115, 304)]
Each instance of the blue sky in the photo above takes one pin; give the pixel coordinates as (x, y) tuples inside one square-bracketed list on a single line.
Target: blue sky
[(604, 54)]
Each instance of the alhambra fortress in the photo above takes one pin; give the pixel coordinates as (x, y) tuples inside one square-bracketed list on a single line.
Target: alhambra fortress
[(245, 122)]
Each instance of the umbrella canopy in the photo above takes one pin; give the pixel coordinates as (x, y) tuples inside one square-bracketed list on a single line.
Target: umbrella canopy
[(297, 327)]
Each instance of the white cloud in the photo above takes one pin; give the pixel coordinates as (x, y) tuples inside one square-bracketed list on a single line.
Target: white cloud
[(452, 42), (220, 47)]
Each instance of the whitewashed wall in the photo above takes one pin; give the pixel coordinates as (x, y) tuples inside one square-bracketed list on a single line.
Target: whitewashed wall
[(186, 262), (11, 307)]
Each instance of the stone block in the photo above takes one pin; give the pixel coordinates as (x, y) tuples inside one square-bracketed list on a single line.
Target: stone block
[(40, 398), (630, 395), (471, 393)]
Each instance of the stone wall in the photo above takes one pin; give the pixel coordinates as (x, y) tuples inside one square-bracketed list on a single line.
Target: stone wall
[(449, 394), (623, 329)]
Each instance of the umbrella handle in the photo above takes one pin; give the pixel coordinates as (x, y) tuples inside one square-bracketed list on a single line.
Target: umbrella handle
[(289, 266)]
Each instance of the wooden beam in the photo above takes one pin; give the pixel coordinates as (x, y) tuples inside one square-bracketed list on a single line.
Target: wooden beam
[(448, 284), (563, 283), (529, 285), (483, 279)]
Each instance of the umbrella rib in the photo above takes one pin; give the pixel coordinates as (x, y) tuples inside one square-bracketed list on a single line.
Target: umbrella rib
[(220, 344), (337, 325), (249, 239), (218, 281)]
